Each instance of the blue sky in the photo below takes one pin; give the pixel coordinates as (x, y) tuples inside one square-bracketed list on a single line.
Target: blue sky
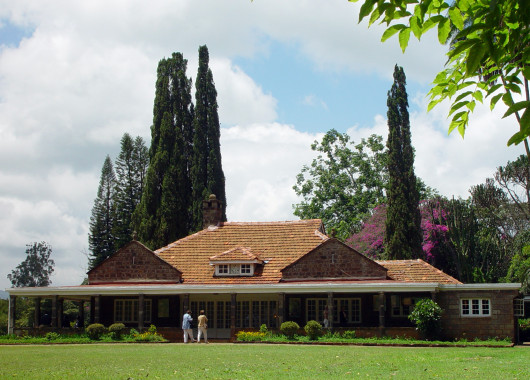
[(285, 73), (316, 100), (12, 34)]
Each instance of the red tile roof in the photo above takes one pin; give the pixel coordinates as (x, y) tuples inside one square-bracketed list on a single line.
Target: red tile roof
[(416, 271), (278, 244), (236, 254)]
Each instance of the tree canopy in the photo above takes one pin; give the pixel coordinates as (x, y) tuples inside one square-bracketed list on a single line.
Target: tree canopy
[(36, 269), (207, 176), (489, 55), (100, 238), (402, 232), (344, 183)]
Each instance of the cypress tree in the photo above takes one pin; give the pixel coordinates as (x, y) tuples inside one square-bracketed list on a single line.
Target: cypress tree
[(131, 166), (100, 238), (403, 236), (207, 175), (162, 215)]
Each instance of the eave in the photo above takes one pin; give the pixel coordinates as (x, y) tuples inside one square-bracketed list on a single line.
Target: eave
[(288, 288)]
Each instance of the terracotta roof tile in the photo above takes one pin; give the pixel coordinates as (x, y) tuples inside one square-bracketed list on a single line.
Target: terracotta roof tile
[(278, 244), (236, 254), (416, 271)]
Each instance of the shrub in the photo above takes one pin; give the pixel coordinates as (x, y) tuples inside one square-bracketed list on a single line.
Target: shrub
[(263, 329), (524, 324), (313, 330), (133, 332), (116, 330), (289, 328), (348, 334), (95, 331), (152, 329), (250, 336), (52, 336), (426, 315), (3, 324)]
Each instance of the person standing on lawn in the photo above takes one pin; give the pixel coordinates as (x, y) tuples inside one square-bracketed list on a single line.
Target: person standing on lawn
[(186, 326), (202, 327)]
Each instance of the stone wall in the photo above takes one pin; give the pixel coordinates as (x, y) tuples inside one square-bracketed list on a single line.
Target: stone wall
[(500, 323), (333, 259), (134, 262)]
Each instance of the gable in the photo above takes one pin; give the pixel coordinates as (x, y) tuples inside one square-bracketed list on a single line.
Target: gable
[(237, 254), (333, 260), (134, 263), (277, 244)]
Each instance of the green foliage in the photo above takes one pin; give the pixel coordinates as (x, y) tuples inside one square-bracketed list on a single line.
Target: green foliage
[(36, 269), (250, 336), (116, 330), (131, 167), (95, 331), (52, 336), (163, 212), (207, 175), (488, 56), (524, 324), (289, 328), (344, 183), (403, 235), (100, 238), (313, 330), (263, 329), (427, 317), (4, 309), (519, 270), (349, 334), (150, 335)]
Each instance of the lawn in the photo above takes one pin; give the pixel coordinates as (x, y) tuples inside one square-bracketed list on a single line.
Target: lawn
[(263, 361)]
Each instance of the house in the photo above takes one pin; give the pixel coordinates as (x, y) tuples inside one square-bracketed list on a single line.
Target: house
[(248, 274)]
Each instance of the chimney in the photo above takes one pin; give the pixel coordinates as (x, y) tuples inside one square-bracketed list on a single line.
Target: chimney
[(212, 212)]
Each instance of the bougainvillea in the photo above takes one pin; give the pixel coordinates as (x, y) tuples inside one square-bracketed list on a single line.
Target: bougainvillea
[(370, 240)]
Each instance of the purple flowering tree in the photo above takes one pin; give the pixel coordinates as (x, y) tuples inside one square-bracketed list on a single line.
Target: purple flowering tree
[(436, 247)]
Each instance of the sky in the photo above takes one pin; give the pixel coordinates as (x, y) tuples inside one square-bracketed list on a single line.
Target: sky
[(75, 76)]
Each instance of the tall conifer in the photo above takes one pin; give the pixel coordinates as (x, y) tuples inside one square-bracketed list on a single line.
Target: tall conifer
[(131, 166), (403, 224), (206, 173), (162, 215), (100, 238)]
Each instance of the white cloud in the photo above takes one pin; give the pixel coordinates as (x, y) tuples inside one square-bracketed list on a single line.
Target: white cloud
[(260, 163), (241, 100)]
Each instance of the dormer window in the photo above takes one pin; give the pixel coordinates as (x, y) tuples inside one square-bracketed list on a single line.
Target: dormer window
[(238, 261), (234, 269), (247, 268)]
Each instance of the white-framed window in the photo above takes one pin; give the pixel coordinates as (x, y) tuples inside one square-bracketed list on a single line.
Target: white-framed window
[(346, 310), (402, 306), (126, 310), (475, 307), (315, 309), (234, 269), (518, 307), (245, 268), (254, 313)]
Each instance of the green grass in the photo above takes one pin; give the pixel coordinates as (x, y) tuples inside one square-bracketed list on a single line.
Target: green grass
[(337, 338), (263, 361)]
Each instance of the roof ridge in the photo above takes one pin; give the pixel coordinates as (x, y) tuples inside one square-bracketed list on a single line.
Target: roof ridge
[(299, 221)]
